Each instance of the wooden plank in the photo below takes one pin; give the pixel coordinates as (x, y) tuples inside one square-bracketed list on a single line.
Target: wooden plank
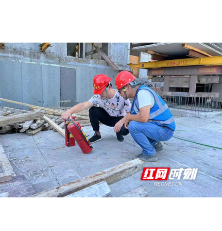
[(31, 132), (19, 118), (192, 85), (107, 59), (7, 170), (38, 124), (158, 57), (195, 54), (42, 108), (110, 175), (60, 130), (155, 53), (134, 60), (188, 47), (26, 125), (31, 106)]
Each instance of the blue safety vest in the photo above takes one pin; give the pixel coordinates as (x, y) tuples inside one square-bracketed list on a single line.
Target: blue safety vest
[(160, 113)]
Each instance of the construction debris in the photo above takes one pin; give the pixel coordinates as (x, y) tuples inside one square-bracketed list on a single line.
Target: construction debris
[(26, 121), (19, 118), (5, 129), (26, 125)]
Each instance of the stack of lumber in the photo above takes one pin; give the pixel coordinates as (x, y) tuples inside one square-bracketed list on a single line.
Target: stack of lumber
[(33, 121)]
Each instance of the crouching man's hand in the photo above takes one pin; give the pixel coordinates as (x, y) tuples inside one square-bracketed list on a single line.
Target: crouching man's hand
[(118, 126), (66, 115), (127, 120)]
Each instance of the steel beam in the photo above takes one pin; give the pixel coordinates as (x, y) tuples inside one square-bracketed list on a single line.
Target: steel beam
[(205, 61), (192, 70)]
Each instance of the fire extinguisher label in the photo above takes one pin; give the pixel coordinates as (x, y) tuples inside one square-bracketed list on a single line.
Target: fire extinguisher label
[(84, 135), (71, 135)]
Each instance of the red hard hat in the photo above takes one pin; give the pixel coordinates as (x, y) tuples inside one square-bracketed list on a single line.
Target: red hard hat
[(123, 78), (100, 82)]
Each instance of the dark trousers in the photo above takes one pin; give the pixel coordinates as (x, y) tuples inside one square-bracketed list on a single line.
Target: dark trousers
[(98, 114)]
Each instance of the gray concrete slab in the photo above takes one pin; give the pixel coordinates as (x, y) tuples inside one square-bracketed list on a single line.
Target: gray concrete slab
[(5, 194), (48, 156), (51, 85), (18, 187), (138, 192), (68, 86), (97, 190), (11, 78), (32, 84)]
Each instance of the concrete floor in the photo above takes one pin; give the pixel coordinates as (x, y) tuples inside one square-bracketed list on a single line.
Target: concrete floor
[(46, 162)]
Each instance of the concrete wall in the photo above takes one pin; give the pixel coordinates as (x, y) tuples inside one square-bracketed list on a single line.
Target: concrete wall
[(59, 49), (45, 79), (29, 83), (144, 57), (119, 53)]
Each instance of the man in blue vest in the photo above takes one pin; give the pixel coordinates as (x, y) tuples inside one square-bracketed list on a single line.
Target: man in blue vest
[(150, 120)]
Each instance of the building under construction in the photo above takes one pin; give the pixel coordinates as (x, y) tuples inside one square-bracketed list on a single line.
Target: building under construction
[(47, 75), (184, 74)]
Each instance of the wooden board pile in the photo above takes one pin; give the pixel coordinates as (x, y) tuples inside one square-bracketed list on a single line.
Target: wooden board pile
[(33, 120)]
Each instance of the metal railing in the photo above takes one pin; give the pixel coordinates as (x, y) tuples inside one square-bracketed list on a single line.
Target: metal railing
[(197, 104)]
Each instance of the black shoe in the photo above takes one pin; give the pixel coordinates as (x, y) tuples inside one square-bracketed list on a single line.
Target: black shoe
[(94, 138), (146, 158), (119, 137), (158, 147)]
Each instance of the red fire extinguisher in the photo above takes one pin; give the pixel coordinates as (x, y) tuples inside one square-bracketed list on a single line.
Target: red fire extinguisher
[(69, 139), (79, 135)]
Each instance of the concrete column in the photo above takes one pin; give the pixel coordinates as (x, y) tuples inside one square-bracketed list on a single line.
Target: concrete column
[(88, 48), (119, 53), (144, 57), (83, 50)]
